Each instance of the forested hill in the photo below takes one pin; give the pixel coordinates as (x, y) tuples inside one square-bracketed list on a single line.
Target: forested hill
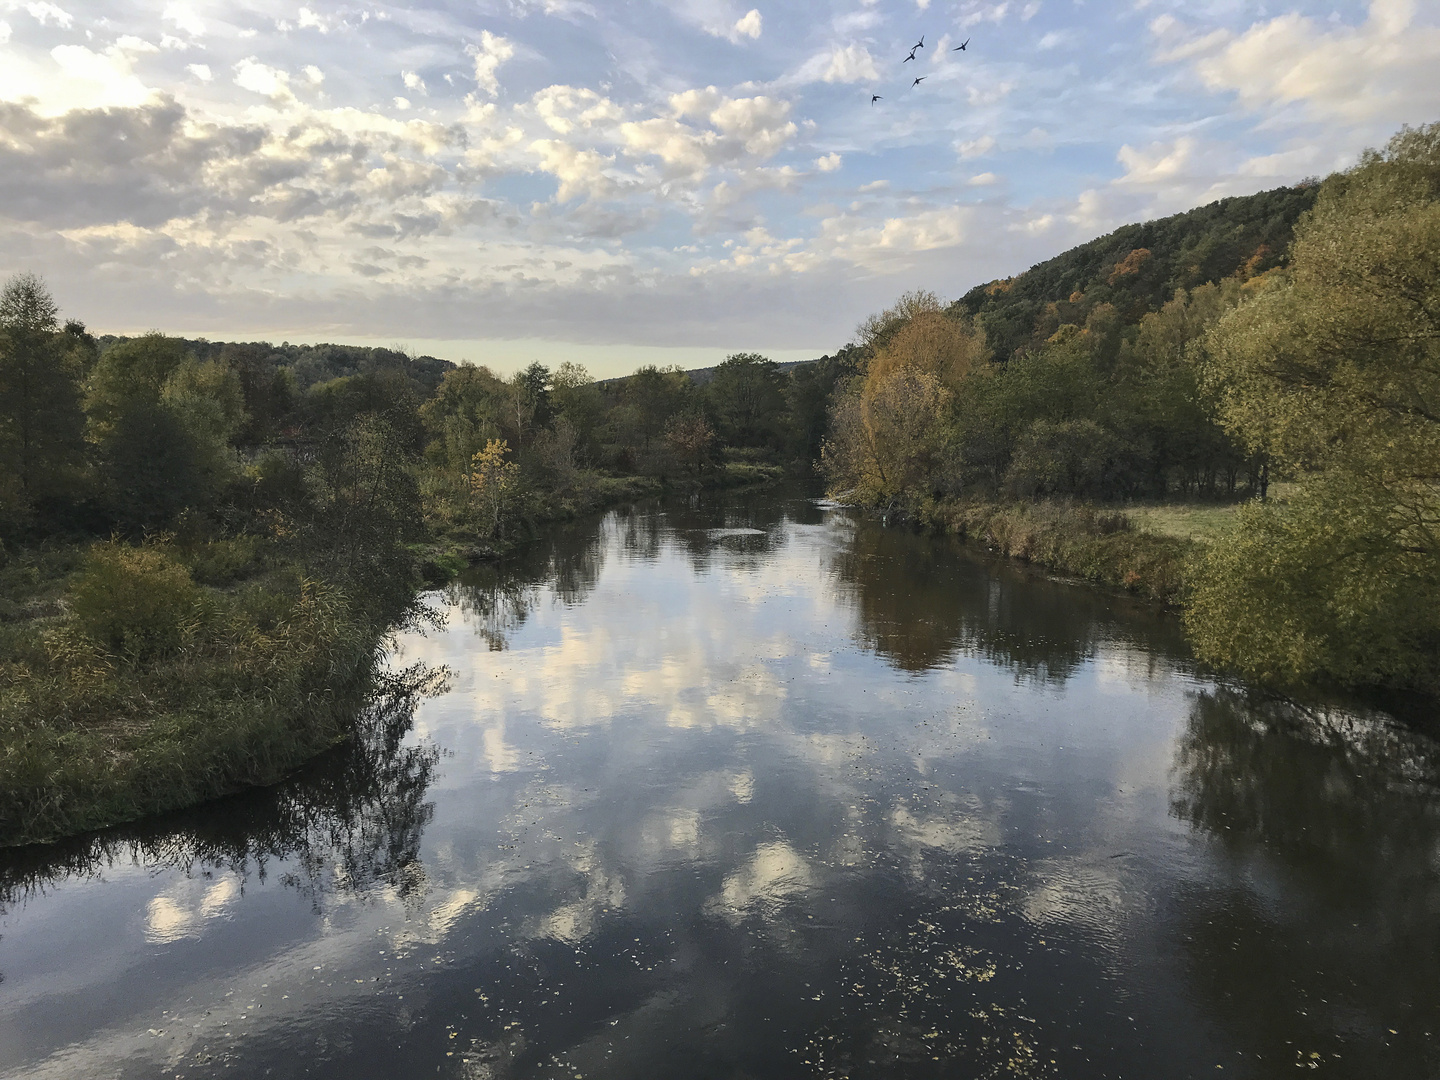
[(311, 365), (1136, 268)]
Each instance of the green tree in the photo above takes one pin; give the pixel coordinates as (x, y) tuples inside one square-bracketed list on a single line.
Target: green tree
[(643, 404), (41, 421), (533, 386), (809, 397), (1159, 404), (746, 397), (163, 423), (467, 411), (364, 506), (1334, 372), (578, 400)]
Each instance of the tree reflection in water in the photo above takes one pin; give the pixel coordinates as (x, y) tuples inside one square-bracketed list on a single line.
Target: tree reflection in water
[(496, 598), (922, 602), (1343, 807), (749, 529), (348, 822)]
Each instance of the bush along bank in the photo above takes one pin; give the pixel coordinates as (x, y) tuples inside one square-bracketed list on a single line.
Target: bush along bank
[(127, 688), (1077, 539)]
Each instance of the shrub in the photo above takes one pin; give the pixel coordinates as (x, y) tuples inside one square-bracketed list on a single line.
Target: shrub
[(136, 602)]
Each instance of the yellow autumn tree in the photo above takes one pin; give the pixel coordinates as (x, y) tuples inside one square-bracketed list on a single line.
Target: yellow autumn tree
[(890, 428), (887, 438), (492, 482), (934, 343)]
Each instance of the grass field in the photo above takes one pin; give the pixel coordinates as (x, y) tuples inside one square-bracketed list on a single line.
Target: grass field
[(1204, 522)]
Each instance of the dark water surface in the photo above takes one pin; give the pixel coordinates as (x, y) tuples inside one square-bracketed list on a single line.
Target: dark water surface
[(746, 788)]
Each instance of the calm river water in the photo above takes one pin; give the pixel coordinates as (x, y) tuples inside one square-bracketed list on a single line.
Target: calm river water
[(745, 787)]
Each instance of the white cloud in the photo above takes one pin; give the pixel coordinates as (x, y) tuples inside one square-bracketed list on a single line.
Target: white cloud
[(989, 95), (258, 78), (984, 179), (974, 148), (313, 75), (46, 13), (829, 163), (200, 71), (4, 31), (754, 128), (680, 147), (581, 173), (748, 25), (1353, 73), (128, 43), (306, 19), (851, 64), (413, 82), (183, 18), (565, 108), (979, 13), (101, 80), (401, 103), (1036, 225), (492, 51), (877, 245), (1159, 163)]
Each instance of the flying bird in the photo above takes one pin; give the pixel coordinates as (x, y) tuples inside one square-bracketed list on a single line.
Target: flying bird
[(909, 58), (919, 44), (918, 81), (874, 98), (961, 47)]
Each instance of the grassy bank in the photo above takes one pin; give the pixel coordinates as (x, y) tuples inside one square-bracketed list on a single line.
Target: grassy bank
[(128, 687), (1096, 544)]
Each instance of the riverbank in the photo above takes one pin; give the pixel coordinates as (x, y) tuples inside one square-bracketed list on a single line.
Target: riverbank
[(129, 688), (1097, 544)]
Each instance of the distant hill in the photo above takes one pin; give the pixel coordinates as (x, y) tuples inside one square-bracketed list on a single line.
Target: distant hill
[(313, 364), (701, 376), (1137, 268)]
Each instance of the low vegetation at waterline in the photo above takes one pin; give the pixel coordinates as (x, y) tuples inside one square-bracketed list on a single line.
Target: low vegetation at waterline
[(1078, 539), (1312, 358), (154, 692)]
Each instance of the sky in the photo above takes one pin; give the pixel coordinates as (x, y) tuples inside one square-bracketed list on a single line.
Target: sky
[(642, 181)]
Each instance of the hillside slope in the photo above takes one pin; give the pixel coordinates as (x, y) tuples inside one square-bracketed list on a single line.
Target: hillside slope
[(1138, 267)]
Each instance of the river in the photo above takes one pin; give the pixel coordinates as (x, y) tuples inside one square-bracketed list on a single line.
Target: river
[(744, 787)]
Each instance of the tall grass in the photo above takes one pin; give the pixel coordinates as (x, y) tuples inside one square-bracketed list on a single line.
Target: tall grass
[(1073, 538)]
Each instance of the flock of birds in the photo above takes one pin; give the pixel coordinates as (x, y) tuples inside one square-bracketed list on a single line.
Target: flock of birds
[(913, 50)]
